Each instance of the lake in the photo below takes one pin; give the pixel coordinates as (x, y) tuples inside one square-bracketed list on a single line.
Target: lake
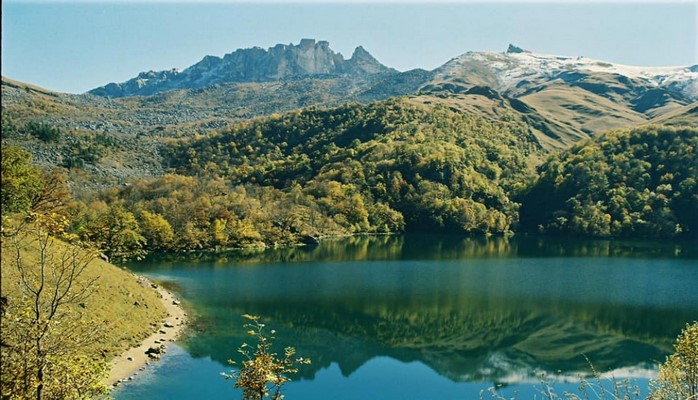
[(428, 316)]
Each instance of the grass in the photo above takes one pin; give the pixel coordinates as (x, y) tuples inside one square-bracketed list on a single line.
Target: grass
[(583, 111), (123, 306)]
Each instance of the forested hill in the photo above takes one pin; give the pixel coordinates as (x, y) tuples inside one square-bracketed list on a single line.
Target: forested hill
[(437, 168), (632, 183)]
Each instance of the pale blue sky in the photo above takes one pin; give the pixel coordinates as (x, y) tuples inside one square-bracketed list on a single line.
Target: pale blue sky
[(76, 46)]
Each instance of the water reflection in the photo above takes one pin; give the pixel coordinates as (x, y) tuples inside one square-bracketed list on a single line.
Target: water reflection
[(434, 247), (471, 309)]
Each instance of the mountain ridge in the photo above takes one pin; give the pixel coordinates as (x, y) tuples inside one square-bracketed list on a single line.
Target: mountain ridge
[(281, 62), (518, 71), (635, 93)]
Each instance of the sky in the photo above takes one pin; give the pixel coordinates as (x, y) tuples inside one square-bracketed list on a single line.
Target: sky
[(76, 46)]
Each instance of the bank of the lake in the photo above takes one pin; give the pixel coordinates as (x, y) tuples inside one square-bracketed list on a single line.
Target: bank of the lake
[(455, 314), (128, 364)]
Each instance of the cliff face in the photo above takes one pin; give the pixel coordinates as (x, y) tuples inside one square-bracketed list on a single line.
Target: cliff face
[(281, 62)]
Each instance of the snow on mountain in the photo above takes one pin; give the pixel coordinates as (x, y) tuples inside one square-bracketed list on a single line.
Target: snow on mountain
[(516, 66)]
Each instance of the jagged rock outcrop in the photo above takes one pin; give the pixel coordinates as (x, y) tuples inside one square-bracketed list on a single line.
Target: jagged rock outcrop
[(515, 49), (281, 62)]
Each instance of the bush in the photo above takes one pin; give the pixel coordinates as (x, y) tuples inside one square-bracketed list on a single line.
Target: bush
[(44, 132), (263, 373), (678, 376)]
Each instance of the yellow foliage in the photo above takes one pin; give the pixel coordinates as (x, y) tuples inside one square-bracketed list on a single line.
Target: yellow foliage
[(678, 376)]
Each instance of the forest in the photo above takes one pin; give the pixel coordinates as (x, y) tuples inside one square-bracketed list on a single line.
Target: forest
[(630, 183), (386, 167)]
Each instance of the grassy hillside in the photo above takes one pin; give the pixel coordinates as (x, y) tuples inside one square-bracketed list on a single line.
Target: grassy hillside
[(583, 112), (683, 116), (122, 306), (640, 182)]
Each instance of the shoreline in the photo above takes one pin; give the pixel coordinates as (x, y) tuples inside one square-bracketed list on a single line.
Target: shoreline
[(126, 365)]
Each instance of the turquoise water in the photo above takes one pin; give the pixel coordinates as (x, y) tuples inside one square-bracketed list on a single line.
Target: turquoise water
[(429, 317)]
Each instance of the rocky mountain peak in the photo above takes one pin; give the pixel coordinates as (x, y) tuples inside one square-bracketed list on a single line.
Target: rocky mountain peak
[(512, 49), (309, 58), (364, 61)]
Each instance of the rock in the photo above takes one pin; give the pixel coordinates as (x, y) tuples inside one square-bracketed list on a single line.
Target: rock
[(155, 352), (515, 49), (162, 331), (279, 63), (168, 325), (154, 286), (129, 358), (175, 302), (309, 240)]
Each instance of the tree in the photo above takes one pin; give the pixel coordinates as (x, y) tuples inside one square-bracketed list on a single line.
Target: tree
[(21, 181), (263, 373), (42, 326), (678, 376), (156, 230), (116, 232)]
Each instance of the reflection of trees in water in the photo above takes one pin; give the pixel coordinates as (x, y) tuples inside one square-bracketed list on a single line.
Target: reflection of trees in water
[(460, 329), (429, 247), (469, 340)]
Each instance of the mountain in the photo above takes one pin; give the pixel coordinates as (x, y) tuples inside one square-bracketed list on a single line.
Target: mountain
[(519, 72), (281, 62), (561, 100), (583, 95), (572, 97)]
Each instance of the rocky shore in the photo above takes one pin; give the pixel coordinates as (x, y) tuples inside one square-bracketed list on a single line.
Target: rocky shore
[(127, 365)]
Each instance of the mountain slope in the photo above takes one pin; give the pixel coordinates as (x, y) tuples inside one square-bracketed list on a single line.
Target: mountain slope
[(583, 113), (517, 72), (117, 294), (584, 95), (634, 183), (549, 133), (684, 116), (439, 168), (281, 62)]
